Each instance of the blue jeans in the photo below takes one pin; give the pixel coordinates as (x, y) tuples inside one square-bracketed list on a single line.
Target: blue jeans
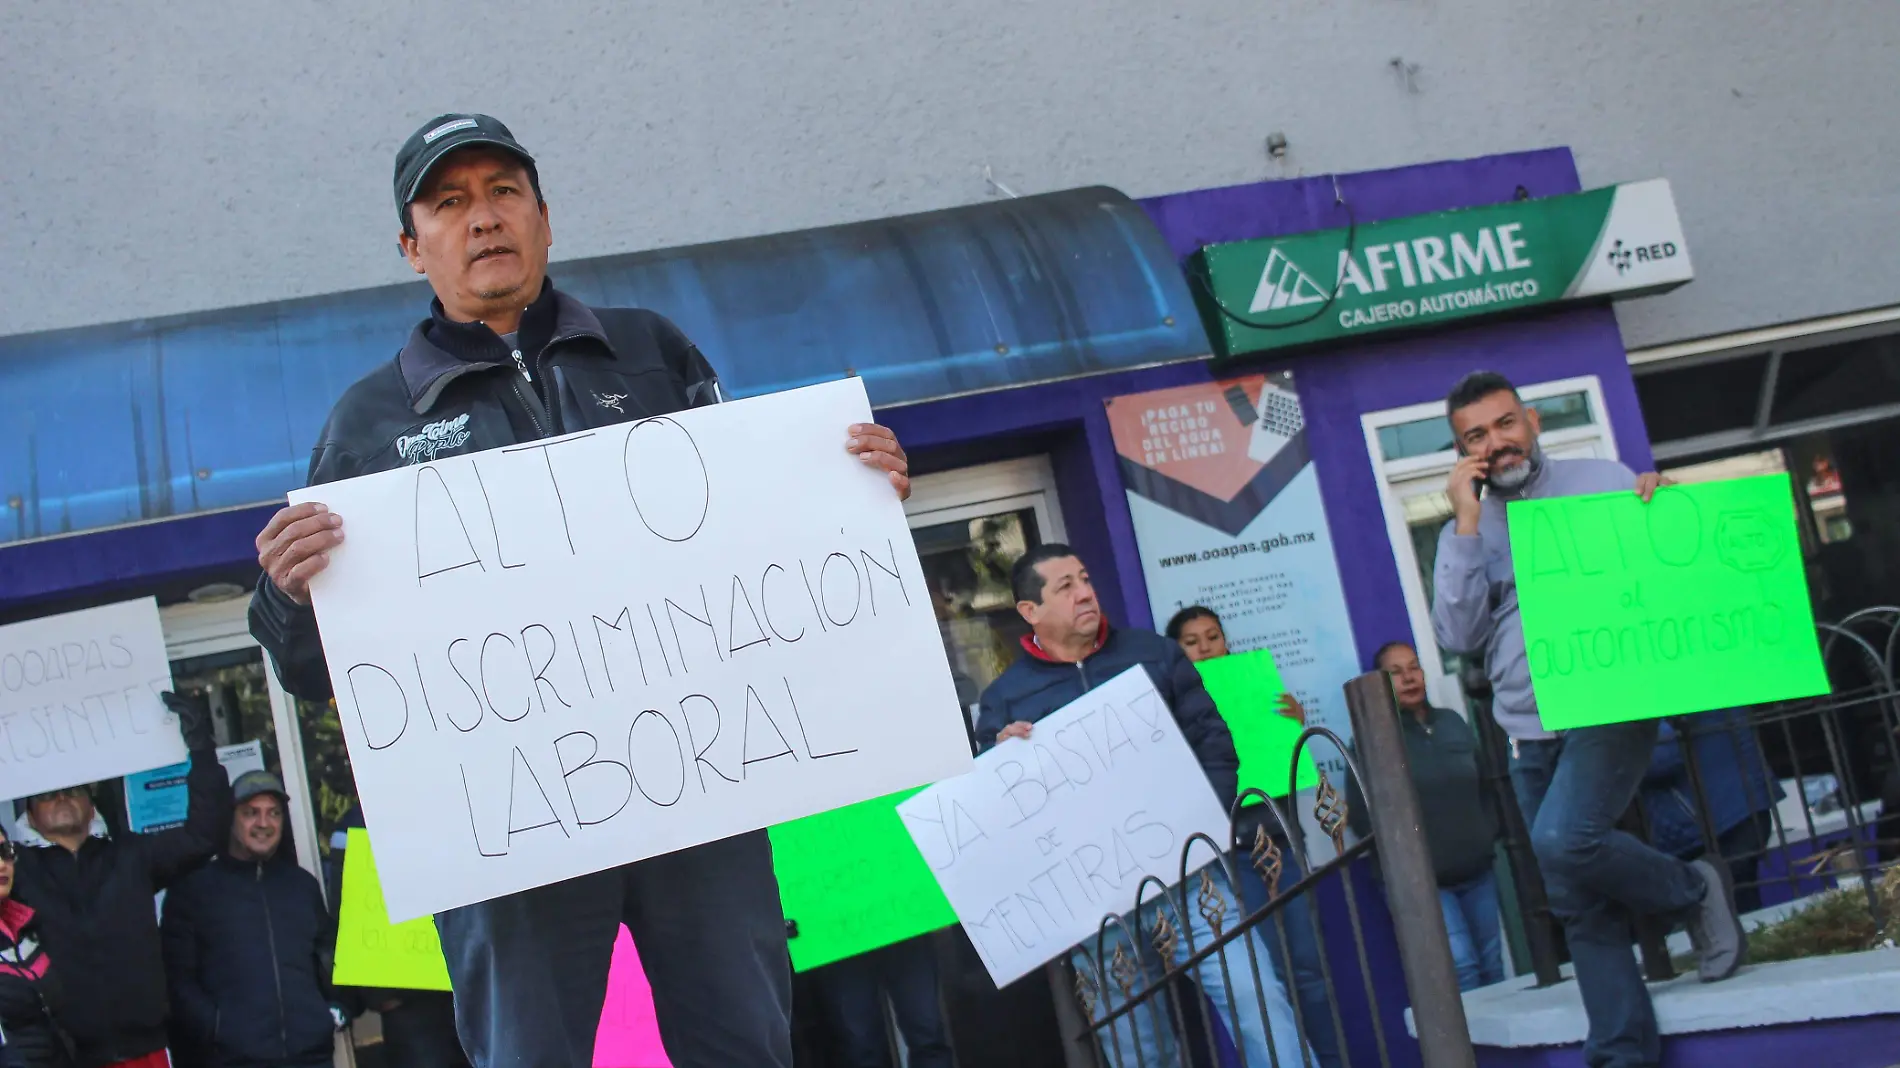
[(1270, 1043), (1301, 943), (1573, 789), (907, 972), (1471, 919)]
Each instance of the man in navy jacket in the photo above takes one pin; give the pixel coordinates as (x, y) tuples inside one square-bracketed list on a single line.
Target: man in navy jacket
[(1072, 650)]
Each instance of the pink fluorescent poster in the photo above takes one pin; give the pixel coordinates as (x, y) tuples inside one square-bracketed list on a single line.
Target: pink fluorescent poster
[(629, 1035)]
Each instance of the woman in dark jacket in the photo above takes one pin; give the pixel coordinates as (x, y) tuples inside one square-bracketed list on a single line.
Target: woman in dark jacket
[(1459, 813), (33, 1039)]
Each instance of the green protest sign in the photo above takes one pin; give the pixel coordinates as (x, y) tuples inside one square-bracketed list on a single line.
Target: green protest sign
[(369, 950), (1246, 688), (1695, 601), (851, 880)]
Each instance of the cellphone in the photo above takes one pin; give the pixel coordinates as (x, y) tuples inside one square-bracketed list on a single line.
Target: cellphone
[(1477, 484)]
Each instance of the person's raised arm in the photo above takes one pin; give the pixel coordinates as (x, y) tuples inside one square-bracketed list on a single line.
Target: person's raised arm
[(172, 853), (1461, 592)]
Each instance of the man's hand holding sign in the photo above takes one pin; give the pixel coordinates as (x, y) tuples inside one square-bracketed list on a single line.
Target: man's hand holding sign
[(561, 656)]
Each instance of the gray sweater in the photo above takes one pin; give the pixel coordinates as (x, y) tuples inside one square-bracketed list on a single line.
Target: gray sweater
[(1474, 594)]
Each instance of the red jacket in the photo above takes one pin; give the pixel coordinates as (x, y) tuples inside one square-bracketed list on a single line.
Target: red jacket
[(27, 993)]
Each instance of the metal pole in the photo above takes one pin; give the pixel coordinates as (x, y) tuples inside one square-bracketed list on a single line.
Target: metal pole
[(1411, 885), (1540, 927)]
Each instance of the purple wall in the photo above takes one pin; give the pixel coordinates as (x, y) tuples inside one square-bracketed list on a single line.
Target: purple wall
[(1339, 385), (1088, 481), (1336, 386)]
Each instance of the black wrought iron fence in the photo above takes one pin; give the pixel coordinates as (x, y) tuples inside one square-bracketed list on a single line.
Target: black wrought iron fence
[(1190, 976), (1798, 798)]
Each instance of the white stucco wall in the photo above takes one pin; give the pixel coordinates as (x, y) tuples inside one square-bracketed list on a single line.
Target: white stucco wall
[(159, 158)]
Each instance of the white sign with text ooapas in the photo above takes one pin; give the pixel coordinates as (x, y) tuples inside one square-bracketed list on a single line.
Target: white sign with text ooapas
[(1050, 833), (79, 698), (557, 657)]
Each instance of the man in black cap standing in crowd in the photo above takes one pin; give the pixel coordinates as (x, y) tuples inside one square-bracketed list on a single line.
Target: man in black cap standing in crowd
[(505, 357)]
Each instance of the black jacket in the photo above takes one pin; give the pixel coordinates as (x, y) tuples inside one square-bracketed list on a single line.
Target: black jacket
[(1035, 686), (29, 993), (248, 948), (96, 913), (456, 388)]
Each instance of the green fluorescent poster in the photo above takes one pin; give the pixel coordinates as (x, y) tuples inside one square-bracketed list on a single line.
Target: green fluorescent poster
[(852, 880), (370, 952), (1246, 688), (1695, 601)]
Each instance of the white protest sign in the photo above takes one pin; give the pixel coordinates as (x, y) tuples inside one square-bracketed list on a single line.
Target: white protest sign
[(565, 655), (1050, 833), (79, 698)]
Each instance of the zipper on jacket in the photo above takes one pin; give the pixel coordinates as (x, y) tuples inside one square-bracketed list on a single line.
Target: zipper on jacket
[(276, 969), (537, 412)]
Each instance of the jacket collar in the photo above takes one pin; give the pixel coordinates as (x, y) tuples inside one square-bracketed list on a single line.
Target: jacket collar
[(14, 916), (441, 350), (1034, 648)]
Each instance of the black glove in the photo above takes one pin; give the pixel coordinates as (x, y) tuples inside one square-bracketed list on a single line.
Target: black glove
[(194, 719)]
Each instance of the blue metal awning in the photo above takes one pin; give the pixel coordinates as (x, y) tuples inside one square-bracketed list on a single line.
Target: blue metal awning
[(146, 420)]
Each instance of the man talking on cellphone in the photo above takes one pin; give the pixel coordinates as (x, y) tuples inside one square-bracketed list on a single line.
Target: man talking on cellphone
[(506, 357), (1573, 785)]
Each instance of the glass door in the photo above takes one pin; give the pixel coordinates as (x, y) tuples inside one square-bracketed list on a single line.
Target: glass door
[(970, 526)]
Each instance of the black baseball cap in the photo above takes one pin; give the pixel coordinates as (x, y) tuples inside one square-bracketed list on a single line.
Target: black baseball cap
[(442, 135)]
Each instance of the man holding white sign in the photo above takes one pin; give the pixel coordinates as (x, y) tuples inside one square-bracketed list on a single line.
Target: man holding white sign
[(1112, 697), (506, 359)]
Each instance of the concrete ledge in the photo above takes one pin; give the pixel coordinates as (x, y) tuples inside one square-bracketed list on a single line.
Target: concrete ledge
[(1513, 1014)]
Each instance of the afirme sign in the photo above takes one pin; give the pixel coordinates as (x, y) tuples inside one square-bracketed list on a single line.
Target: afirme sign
[(1402, 274)]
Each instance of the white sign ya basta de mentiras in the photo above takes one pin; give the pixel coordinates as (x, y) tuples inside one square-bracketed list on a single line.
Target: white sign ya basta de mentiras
[(1048, 834), (79, 698), (560, 656)]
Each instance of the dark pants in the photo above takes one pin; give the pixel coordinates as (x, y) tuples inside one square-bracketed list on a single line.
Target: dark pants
[(907, 973), (530, 969), (1300, 942), (420, 1032), (1573, 789)]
